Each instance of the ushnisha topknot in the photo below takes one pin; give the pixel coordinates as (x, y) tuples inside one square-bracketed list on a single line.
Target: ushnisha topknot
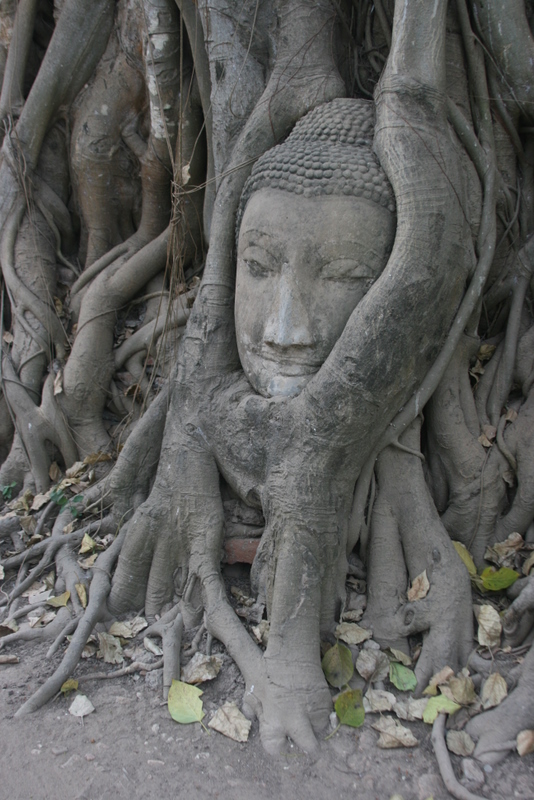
[(329, 151)]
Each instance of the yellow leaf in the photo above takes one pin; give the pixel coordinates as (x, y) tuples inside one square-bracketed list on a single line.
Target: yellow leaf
[(81, 591), (184, 703), (60, 600), (465, 555), (54, 472), (70, 685), (88, 544)]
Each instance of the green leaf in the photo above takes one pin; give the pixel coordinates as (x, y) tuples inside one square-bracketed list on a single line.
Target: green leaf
[(60, 600), (349, 708), (495, 580), (184, 703), (437, 704), (402, 677), (337, 665), (465, 555), (70, 685)]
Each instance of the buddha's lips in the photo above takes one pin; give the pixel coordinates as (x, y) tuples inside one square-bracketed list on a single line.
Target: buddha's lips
[(290, 365)]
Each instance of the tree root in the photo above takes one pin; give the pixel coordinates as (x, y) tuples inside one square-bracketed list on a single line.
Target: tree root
[(444, 762), (96, 611), (170, 628), (135, 666)]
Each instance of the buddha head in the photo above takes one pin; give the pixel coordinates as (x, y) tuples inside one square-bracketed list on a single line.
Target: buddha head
[(316, 225)]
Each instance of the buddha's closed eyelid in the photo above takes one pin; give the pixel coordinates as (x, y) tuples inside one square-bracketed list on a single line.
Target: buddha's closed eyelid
[(346, 269), (259, 261)]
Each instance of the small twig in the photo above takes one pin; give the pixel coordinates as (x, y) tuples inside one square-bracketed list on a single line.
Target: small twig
[(444, 762), (135, 666)]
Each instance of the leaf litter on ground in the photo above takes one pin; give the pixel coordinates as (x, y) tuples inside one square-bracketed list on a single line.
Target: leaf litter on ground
[(184, 703), (393, 734), (201, 668), (229, 721), (489, 626), (494, 690), (337, 665), (351, 633)]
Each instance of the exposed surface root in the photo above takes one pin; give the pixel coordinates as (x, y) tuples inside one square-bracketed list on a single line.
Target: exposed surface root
[(444, 762)]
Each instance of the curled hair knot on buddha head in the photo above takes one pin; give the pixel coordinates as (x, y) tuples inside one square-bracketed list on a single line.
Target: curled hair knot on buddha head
[(329, 152)]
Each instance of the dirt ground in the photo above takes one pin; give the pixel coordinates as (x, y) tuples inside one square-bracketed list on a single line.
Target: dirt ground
[(131, 748)]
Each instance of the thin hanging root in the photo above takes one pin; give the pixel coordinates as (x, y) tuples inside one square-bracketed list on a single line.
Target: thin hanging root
[(444, 762), (95, 611), (135, 666), (170, 628)]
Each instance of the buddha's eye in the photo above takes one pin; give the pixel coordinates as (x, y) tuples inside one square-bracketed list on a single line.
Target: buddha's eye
[(346, 269), (256, 269), (258, 261)]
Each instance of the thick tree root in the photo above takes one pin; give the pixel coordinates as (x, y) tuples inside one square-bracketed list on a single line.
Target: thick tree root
[(170, 628), (444, 762)]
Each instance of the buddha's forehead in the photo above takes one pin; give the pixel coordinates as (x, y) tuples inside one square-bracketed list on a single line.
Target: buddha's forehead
[(278, 215), (329, 152)]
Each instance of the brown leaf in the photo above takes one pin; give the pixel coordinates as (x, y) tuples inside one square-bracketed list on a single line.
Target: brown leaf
[(525, 742), (351, 633), (437, 679), (75, 469), (373, 665), (81, 591), (110, 649), (529, 563), (419, 588), (460, 743), (393, 734), (201, 668), (229, 721), (494, 690), (489, 626), (54, 472), (377, 700)]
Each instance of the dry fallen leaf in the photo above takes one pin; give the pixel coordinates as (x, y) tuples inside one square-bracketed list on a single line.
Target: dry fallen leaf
[(60, 600), (437, 679), (88, 544), (2, 573), (525, 742), (81, 706), (419, 588), (81, 591), (110, 649), (460, 743), (393, 734), (377, 700), (410, 709), (398, 655), (152, 647), (76, 469), (261, 632), (353, 615), (39, 501), (201, 668), (229, 721), (489, 626), (350, 633), (493, 691), (373, 665), (460, 689), (528, 565), (129, 628), (39, 618), (54, 472), (87, 563)]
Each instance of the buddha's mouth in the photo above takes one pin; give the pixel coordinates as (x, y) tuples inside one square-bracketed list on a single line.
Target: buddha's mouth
[(290, 364)]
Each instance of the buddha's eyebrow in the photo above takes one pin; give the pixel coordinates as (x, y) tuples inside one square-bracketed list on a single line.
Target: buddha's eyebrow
[(255, 232), (349, 249)]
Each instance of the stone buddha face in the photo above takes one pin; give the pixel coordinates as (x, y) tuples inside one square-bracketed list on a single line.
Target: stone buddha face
[(303, 265)]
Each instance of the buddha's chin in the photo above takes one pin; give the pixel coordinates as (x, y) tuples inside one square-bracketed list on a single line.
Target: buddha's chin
[(287, 386)]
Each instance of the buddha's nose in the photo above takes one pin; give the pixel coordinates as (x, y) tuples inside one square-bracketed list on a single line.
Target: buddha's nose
[(288, 324)]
